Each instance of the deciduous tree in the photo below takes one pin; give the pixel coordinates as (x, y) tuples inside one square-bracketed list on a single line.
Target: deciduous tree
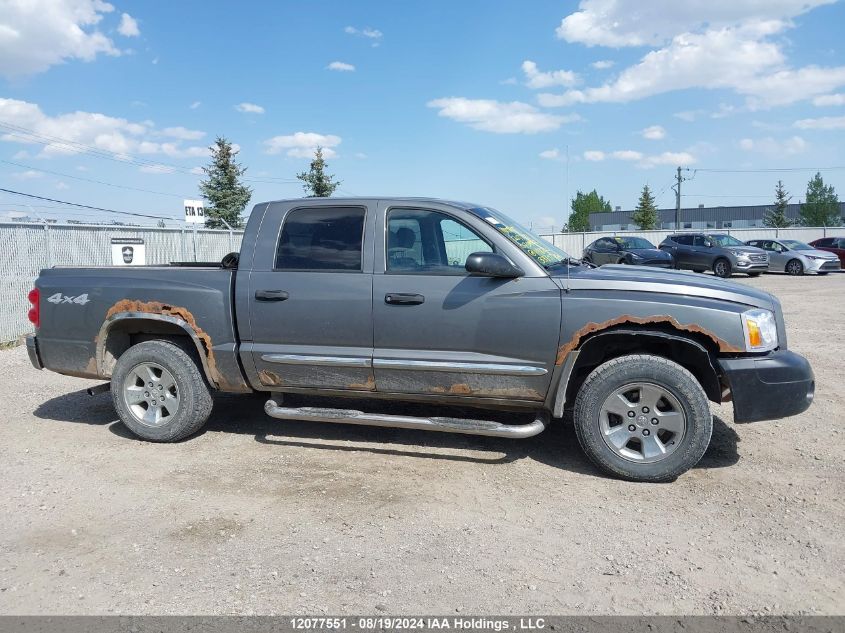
[(582, 206), (821, 207)]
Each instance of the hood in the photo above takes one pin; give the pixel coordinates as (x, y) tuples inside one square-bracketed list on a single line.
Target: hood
[(747, 250), (817, 253), (623, 278), (649, 253)]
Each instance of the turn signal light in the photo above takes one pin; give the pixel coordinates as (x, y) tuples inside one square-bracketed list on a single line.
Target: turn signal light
[(755, 339), (34, 314)]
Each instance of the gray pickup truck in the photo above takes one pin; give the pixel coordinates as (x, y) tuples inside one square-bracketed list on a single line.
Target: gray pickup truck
[(427, 301)]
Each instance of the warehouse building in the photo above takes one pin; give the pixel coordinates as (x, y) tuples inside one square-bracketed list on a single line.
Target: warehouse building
[(699, 217)]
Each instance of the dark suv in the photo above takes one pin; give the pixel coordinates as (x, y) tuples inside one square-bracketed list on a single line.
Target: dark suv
[(719, 252)]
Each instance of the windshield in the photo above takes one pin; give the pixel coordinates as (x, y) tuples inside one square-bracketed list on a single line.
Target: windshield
[(629, 243), (538, 249), (726, 240), (795, 245)]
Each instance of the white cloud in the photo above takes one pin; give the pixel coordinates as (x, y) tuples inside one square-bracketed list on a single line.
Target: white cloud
[(774, 147), (197, 171), (822, 123), (536, 79), (128, 26), (37, 34), (360, 155), (602, 64), (550, 154), (830, 100), (720, 44), (619, 23), (642, 160), (654, 133), (182, 133), (341, 67), (69, 131), (29, 174), (374, 35), (689, 115), (249, 108), (498, 117), (61, 186), (627, 154), (195, 105), (303, 144)]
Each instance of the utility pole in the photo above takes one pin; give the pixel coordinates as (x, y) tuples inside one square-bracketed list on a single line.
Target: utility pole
[(677, 187)]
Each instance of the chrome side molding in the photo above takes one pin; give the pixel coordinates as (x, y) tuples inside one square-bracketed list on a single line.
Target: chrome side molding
[(323, 361), (460, 367)]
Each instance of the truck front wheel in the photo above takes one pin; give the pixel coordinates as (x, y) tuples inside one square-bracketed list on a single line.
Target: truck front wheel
[(643, 418), (159, 392)]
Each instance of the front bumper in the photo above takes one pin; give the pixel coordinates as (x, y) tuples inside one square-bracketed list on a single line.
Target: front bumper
[(769, 387), (32, 350), (824, 265), (745, 265)]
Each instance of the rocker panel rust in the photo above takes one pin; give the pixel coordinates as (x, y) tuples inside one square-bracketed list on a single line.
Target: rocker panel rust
[(593, 327)]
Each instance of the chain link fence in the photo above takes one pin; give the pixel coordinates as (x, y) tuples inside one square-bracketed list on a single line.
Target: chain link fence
[(27, 248)]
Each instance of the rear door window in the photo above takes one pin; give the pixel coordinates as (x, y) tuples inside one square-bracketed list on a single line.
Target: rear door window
[(323, 238)]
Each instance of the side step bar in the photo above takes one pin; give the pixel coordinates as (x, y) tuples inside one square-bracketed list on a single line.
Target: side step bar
[(445, 425)]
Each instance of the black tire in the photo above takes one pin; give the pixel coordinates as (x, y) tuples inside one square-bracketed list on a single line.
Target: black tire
[(794, 267), (754, 274), (698, 270), (194, 394), (722, 268), (822, 274), (655, 370)]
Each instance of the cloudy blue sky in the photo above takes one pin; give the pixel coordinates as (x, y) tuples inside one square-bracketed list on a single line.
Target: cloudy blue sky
[(114, 104)]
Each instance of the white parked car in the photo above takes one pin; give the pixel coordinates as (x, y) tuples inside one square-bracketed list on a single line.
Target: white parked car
[(796, 258)]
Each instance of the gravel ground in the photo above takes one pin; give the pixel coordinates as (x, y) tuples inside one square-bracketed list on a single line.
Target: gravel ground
[(263, 516)]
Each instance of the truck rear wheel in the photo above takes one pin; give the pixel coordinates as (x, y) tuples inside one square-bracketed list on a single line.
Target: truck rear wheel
[(643, 418), (159, 392)]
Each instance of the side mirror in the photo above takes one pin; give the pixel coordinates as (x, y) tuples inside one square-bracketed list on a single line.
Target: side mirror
[(492, 265)]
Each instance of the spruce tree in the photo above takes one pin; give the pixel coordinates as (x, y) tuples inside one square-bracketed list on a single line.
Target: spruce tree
[(821, 207), (645, 215), (776, 218), (226, 196), (316, 182)]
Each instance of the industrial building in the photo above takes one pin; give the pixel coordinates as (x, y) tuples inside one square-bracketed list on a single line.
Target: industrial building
[(699, 217)]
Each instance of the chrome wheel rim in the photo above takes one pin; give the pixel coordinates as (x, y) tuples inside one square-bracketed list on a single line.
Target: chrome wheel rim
[(642, 422), (794, 267), (151, 394)]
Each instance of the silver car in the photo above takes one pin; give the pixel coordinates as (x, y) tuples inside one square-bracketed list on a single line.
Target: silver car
[(796, 258)]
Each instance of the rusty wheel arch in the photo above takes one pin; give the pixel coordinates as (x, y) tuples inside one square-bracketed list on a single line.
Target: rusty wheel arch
[(154, 313), (689, 348)]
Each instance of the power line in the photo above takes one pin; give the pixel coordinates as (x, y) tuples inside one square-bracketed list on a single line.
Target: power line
[(773, 169), (91, 180), (86, 206)]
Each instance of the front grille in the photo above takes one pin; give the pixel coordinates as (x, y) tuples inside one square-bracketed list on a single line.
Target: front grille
[(831, 265), (758, 258)]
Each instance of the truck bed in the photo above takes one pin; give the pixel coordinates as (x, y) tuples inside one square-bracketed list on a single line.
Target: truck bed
[(80, 305)]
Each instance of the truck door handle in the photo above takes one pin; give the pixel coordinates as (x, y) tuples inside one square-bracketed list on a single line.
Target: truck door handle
[(403, 299), (271, 295)]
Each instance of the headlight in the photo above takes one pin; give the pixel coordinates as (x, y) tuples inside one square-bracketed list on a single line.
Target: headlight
[(761, 332)]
